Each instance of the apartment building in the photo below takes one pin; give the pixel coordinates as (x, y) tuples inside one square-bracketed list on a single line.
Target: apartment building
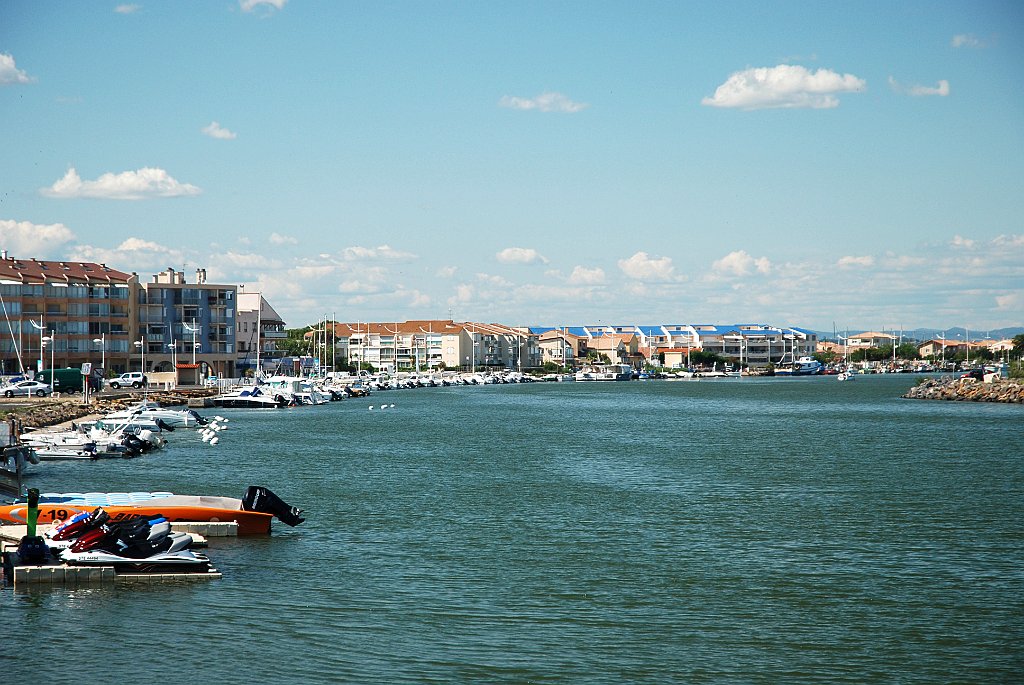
[(188, 323), (426, 345), (258, 329), (65, 314)]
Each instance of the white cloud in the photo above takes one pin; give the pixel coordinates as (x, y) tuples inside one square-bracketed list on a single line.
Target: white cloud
[(642, 267), (10, 74), (358, 287), (127, 9), (312, 272), (278, 239), (134, 254), (961, 242), (463, 293), (1009, 241), (851, 261), (446, 272), (784, 85), (942, 89), (497, 281), (583, 276), (215, 130), (520, 255), (1010, 302), (246, 260), (355, 253), (545, 102), (24, 239), (415, 298), (899, 262), (739, 263), (250, 5), (966, 40), (128, 185)]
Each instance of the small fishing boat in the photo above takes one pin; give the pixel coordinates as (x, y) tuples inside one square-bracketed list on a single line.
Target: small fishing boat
[(253, 512)]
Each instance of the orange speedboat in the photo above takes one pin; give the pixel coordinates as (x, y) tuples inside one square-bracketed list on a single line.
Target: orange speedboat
[(253, 513)]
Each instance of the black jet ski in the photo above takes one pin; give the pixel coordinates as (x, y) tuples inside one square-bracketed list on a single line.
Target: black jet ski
[(141, 545)]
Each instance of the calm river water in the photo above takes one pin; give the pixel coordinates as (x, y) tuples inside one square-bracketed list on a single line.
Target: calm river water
[(754, 530)]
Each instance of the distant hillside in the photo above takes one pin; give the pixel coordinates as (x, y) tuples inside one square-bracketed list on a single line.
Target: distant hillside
[(936, 333)]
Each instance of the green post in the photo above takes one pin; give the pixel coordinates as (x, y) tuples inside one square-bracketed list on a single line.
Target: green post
[(33, 511)]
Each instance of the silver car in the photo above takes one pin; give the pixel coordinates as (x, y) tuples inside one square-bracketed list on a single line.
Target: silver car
[(26, 388)]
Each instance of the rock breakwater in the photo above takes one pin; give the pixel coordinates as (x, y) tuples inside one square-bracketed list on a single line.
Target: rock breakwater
[(968, 390), (52, 412)]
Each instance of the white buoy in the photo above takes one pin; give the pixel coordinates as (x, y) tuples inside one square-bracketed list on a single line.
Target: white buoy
[(206, 437), (370, 407), (214, 441), (392, 406)]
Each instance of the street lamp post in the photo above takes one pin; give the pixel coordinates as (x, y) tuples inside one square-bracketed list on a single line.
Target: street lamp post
[(141, 344), (42, 329), (194, 329), (174, 361), (43, 342), (102, 340)]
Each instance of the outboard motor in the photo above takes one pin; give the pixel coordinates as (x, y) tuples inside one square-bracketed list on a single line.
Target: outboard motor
[(259, 498), (134, 446)]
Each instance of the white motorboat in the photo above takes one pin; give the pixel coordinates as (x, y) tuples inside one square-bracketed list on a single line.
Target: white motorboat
[(605, 372), (175, 418), (248, 397), (804, 366), (95, 440), (292, 390)]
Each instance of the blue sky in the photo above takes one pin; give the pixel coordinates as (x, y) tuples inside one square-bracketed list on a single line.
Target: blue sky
[(549, 163)]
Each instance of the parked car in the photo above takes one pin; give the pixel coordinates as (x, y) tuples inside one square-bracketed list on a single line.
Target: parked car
[(27, 388), (134, 379)]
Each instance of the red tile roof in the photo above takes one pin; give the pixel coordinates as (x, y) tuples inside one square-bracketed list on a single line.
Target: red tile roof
[(37, 272)]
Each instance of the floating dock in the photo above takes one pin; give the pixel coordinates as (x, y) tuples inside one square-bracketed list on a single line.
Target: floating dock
[(53, 573)]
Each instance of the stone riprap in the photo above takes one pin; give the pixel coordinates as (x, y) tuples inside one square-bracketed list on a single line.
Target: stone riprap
[(968, 390), (52, 412)]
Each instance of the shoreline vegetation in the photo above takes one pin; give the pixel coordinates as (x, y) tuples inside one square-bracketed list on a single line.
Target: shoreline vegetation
[(968, 390)]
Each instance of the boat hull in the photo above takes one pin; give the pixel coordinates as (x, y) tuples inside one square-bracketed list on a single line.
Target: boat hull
[(249, 522)]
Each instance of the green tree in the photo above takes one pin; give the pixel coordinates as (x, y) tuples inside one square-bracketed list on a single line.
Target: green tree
[(705, 358), (826, 357), (907, 351), (1018, 346), (295, 344), (871, 354)]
